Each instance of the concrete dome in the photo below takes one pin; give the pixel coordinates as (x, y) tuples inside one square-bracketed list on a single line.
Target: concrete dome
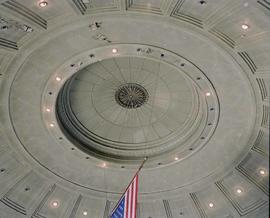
[(91, 87)]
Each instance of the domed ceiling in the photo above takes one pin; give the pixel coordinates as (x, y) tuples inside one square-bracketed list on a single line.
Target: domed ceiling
[(89, 88)]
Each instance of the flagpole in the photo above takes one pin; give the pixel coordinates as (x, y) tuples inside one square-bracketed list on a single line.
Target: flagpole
[(144, 160), (141, 166)]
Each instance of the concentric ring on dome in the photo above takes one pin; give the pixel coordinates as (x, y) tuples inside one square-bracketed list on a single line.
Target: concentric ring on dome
[(170, 118)]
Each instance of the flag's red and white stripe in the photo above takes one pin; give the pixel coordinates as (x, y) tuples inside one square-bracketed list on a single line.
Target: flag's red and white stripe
[(131, 195), (127, 205)]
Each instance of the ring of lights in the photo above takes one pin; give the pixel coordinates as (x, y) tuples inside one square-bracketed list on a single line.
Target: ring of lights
[(74, 168), (189, 135)]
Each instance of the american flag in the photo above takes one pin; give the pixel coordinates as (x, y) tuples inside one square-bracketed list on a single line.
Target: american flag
[(127, 205)]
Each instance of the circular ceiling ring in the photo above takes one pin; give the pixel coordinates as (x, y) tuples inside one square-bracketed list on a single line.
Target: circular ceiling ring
[(194, 130)]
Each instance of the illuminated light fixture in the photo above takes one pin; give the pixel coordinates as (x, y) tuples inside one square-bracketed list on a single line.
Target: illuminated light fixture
[(85, 213), (54, 204), (246, 4), (114, 50), (239, 191), (207, 93), (51, 125), (176, 158), (245, 26), (58, 78), (211, 205), (43, 4), (262, 172), (104, 165), (48, 109)]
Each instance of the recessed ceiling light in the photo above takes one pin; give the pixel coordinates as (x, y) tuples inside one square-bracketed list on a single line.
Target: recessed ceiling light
[(245, 26), (48, 109), (27, 189), (43, 4), (207, 93), (51, 125), (262, 172), (211, 205), (58, 78), (202, 2), (239, 191), (85, 213), (54, 204), (176, 158), (114, 50), (246, 4), (5, 27)]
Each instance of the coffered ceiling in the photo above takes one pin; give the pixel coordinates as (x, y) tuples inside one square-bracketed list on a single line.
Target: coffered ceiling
[(200, 71)]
